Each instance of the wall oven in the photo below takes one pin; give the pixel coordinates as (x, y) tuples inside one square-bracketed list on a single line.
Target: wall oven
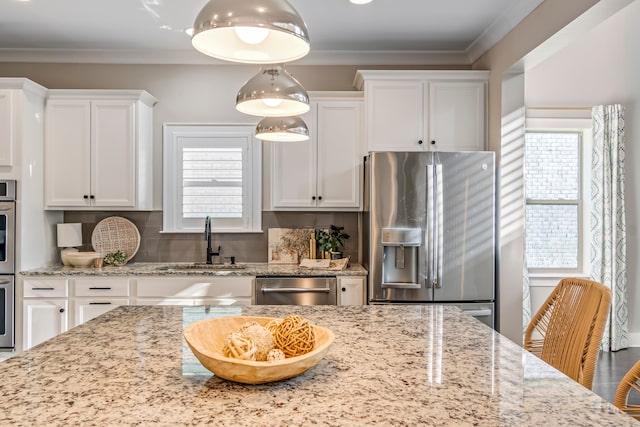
[(7, 263)]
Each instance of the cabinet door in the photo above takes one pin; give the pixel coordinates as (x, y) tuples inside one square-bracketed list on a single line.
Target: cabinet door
[(457, 116), (351, 291), (6, 128), (113, 153), (89, 308), (294, 169), (339, 153), (67, 153), (395, 116), (43, 319)]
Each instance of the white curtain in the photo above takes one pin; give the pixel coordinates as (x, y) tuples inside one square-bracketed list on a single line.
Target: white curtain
[(608, 227)]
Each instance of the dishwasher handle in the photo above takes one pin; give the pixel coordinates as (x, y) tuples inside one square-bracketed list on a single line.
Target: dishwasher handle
[(267, 290)]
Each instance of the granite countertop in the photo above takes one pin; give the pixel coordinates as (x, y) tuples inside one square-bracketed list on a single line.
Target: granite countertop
[(389, 365), (183, 269)]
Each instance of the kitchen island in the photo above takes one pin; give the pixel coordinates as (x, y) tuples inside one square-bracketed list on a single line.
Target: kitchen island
[(389, 365)]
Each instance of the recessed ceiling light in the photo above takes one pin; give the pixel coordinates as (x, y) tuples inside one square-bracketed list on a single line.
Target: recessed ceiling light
[(360, 1)]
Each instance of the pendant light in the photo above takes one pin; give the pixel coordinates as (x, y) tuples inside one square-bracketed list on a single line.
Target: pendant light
[(251, 31), (283, 129), (272, 93)]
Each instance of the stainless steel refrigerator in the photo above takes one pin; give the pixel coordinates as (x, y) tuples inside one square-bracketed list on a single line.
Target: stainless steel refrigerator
[(429, 229)]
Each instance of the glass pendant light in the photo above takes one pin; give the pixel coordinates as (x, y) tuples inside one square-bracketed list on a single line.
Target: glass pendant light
[(251, 31), (284, 129), (272, 93)]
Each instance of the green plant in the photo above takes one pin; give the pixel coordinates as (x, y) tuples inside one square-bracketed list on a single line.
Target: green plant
[(115, 258), (330, 240)]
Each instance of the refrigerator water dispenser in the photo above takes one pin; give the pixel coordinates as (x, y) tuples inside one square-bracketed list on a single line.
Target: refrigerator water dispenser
[(400, 257)]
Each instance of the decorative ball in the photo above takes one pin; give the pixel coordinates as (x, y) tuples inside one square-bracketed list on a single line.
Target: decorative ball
[(239, 346), (294, 336), (247, 325), (262, 338), (275, 354)]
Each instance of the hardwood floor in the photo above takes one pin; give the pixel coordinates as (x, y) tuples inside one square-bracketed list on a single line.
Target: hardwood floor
[(612, 366)]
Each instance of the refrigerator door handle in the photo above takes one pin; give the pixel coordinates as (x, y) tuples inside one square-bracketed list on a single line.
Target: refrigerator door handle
[(429, 239), (438, 235)]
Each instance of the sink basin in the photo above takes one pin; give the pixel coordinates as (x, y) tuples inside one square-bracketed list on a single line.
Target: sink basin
[(200, 266)]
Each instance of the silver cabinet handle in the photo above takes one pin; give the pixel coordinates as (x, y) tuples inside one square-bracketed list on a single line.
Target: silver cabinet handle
[(266, 290)]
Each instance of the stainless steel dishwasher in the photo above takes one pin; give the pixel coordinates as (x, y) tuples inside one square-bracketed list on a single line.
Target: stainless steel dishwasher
[(295, 291)]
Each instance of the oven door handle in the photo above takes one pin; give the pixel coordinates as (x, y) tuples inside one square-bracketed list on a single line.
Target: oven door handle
[(267, 290), (5, 282)]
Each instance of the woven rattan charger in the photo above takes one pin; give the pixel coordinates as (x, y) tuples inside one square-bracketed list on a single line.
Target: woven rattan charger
[(116, 234)]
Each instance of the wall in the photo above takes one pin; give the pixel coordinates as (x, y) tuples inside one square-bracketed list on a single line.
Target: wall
[(246, 247), (541, 34), (602, 67)]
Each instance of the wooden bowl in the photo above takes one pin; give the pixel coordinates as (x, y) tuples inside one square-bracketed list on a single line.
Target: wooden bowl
[(82, 259), (206, 338)]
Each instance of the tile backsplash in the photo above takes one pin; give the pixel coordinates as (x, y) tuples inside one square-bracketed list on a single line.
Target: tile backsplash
[(246, 247)]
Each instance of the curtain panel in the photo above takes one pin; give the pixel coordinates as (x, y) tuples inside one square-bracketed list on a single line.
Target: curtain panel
[(608, 226)]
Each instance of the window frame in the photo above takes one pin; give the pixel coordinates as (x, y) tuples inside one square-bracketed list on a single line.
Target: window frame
[(177, 136), (566, 121)]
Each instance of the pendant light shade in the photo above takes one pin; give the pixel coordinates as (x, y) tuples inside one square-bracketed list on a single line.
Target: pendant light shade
[(285, 129), (251, 31), (272, 93)]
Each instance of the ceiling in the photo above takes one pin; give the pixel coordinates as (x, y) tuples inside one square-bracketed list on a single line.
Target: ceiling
[(152, 31)]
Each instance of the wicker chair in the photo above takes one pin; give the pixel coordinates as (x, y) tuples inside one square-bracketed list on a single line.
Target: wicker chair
[(630, 382), (567, 330)]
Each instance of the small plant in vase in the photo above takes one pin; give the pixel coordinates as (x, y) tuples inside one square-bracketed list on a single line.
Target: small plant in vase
[(330, 240)]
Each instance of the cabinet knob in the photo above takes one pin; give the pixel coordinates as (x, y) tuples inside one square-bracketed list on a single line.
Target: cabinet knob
[(62, 310), (344, 289), (319, 197), (313, 197), (433, 143), (92, 196), (420, 142), (85, 197)]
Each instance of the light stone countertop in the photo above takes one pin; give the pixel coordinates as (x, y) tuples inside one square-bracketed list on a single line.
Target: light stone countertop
[(389, 365), (179, 269)]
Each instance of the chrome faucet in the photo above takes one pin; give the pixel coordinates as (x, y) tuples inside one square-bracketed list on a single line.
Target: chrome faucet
[(207, 237)]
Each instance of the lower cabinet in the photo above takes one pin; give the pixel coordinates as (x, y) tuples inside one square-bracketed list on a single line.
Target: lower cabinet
[(96, 295), (351, 290), (44, 319)]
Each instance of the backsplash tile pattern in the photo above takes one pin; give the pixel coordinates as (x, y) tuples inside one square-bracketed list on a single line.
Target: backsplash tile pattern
[(246, 247)]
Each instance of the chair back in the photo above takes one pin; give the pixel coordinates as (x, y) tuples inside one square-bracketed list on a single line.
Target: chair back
[(630, 382), (567, 330)]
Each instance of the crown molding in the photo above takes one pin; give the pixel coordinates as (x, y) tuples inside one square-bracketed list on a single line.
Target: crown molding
[(196, 58), (508, 20)]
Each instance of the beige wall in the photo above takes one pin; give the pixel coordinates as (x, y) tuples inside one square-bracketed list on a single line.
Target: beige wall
[(545, 31)]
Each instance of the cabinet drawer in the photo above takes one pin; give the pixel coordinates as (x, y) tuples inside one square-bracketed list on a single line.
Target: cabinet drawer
[(98, 287), (187, 287), (45, 288)]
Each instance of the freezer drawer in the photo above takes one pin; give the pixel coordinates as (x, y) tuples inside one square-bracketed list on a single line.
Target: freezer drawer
[(484, 312)]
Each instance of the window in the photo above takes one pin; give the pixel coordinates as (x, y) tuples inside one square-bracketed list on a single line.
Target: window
[(555, 179), (211, 170)]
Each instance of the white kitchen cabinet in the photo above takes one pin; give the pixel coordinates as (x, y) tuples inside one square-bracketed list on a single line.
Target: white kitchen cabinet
[(6, 127), (98, 150), (94, 296), (414, 110), (206, 290), (45, 310), (324, 172), (351, 290)]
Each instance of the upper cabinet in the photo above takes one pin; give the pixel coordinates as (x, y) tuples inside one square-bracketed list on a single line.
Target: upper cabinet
[(413, 110), (98, 150), (323, 173), (6, 127)]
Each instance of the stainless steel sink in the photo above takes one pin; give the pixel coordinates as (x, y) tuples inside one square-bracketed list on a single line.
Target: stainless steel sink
[(200, 266)]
